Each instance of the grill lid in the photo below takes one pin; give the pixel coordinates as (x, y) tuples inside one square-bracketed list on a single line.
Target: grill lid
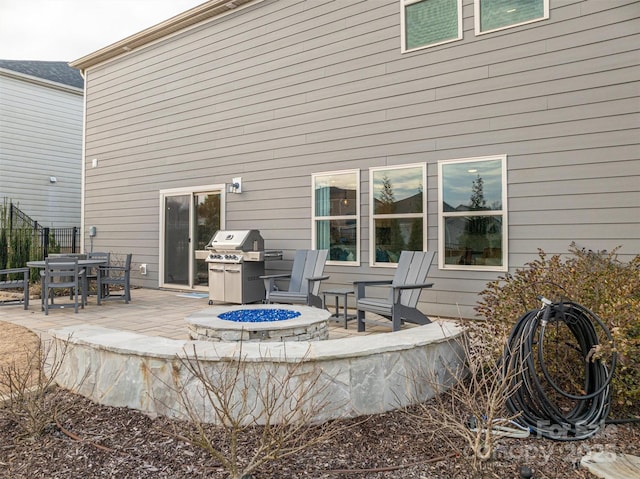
[(239, 240)]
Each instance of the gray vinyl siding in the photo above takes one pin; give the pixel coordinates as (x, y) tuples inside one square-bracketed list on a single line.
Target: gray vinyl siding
[(284, 89), (40, 137)]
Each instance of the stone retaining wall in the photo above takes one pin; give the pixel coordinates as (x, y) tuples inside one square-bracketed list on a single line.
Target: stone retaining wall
[(345, 377)]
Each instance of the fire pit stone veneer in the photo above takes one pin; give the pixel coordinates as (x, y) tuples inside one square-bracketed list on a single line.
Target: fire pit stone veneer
[(310, 325)]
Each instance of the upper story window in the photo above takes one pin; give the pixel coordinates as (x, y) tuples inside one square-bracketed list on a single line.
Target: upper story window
[(492, 15), (336, 213), (426, 23), (398, 219), (472, 203)]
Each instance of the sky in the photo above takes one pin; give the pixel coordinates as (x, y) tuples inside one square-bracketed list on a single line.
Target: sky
[(66, 30)]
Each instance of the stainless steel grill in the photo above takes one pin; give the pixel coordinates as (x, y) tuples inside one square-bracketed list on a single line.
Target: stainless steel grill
[(236, 262)]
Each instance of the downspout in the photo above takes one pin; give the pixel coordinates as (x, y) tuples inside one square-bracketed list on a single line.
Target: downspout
[(84, 162)]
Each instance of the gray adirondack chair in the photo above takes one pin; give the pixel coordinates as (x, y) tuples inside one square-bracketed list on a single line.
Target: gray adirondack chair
[(405, 289), (304, 280)]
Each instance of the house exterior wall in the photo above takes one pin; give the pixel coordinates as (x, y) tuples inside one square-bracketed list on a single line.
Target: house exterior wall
[(283, 89), (41, 137)]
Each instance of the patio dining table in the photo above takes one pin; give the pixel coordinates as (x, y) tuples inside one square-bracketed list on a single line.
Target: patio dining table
[(84, 263)]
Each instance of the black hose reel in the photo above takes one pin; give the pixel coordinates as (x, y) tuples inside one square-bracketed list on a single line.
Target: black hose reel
[(567, 416)]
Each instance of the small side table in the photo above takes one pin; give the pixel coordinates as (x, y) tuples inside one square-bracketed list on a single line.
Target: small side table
[(337, 293)]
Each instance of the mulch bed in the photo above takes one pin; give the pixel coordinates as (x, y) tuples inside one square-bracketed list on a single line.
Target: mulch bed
[(93, 441)]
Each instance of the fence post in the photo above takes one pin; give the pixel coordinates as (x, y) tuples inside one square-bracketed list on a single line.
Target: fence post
[(45, 241)]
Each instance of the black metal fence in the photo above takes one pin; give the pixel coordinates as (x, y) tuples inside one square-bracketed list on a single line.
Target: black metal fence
[(59, 240), (46, 240)]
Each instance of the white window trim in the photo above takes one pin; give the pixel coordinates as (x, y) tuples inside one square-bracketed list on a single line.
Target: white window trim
[(314, 218), (373, 216), (476, 19), (403, 44), (504, 213)]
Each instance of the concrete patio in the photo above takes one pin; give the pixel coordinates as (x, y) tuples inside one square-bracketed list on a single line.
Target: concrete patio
[(151, 312)]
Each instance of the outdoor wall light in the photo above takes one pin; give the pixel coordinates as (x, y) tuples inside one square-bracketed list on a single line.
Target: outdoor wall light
[(53, 179), (236, 185)]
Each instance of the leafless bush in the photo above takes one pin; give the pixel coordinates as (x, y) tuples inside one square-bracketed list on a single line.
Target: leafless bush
[(27, 383), (240, 397), (474, 407)]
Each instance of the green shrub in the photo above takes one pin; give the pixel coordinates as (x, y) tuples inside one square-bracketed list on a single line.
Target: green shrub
[(20, 247), (4, 239), (596, 280), (54, 246), (4, 248)]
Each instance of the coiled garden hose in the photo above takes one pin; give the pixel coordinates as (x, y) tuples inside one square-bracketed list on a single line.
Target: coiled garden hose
[(580, 415)]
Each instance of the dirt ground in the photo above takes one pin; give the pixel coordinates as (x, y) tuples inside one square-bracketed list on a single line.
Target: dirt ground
[(92, 441), (17, 344)]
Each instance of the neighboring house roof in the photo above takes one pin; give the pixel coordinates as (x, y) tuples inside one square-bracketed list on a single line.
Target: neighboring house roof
[(58, 72), (206, 11)]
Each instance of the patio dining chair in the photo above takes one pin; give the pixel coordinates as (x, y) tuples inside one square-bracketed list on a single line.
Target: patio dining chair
[(304, 280), (113, 275), (62, 273), (92, 272), (404, 291)]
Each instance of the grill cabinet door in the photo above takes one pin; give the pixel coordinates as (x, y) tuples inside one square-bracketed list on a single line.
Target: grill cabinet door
[(216, 281), (233, 283)]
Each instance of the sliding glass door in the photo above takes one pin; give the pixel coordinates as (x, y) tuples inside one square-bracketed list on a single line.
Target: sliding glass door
[(189, 220)]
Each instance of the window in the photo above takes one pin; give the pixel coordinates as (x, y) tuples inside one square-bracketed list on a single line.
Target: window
[(336, 213), (398, 212), (472, 211), (492, 15), (427, 23)]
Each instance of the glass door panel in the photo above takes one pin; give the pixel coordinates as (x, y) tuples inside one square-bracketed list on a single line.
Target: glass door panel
[(206, 223), (176, 239)]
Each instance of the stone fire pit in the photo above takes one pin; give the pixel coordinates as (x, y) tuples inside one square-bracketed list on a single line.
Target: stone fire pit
[(309, 324)]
